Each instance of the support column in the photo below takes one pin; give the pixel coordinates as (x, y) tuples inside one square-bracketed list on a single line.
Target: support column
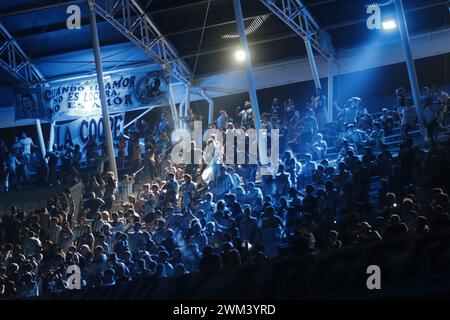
[(51, 139), (414, 83), (181, 108), (101, 87), (187, 105), (311, 59), (312, 63), (330, 98), (40, 138), (248, 67), (210, 106), (210, 111), (173, 108)]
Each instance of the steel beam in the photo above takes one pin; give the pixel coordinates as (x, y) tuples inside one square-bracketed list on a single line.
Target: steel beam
[(14, 60), (135, 24), (312, 64), (298, 18)]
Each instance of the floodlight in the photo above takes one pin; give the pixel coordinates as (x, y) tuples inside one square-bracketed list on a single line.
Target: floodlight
[(389, 25), (240, 55)]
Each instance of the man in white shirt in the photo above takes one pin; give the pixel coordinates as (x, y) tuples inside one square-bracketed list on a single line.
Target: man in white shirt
[(223, 183), (135, 239), (54, 231), (442, 101), (431, 123), (163, 257), (208, 206), (26, 143), (32, 245), (320, 146), (265, 123), (116, 224), (320, 103), (309, 167), (234, 178), (171, 188), (408, 115), (78, 230), (188, 189), (222, 120), (97, 223), (357, 137), (11, 165), (148, 200), (310, 127), (245, 114), (65, 237), (282, 182), (253, 193)]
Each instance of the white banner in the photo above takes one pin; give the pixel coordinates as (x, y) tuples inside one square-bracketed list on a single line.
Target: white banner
[(81, 130), (123, 93)]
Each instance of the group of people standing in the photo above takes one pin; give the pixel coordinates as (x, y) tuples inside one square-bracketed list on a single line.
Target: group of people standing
[(16, 162), (184, 220)]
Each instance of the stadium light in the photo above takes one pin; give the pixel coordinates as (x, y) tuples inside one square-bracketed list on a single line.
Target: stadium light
[(240, 55), (389, 25)]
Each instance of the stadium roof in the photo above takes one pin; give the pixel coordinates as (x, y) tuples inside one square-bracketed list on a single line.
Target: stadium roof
[(39, 27)]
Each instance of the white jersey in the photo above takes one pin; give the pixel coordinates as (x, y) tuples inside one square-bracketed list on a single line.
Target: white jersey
[(26, 145)]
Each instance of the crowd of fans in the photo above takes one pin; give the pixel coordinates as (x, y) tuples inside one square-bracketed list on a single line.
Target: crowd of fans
[(181, 223)]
